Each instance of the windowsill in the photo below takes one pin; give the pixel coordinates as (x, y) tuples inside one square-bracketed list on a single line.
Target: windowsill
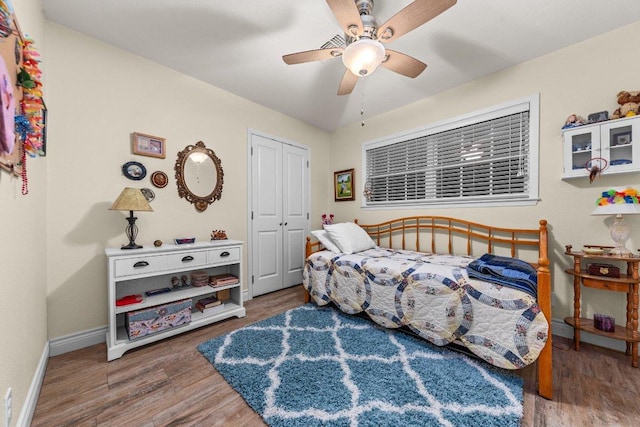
[(454, 204)]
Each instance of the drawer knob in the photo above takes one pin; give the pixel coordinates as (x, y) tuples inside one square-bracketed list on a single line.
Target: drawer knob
[(188, 258), (140, 264), (225, 254)]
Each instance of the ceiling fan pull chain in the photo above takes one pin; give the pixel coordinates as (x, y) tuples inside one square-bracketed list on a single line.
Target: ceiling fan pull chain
[(363, 83)]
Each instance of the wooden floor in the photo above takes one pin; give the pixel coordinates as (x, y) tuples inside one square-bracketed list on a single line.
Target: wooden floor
[(170, 383)]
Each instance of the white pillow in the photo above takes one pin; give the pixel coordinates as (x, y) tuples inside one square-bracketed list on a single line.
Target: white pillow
[(326, 241), (349, 237)]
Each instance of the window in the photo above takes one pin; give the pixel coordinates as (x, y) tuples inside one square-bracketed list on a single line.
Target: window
[(487, 157)]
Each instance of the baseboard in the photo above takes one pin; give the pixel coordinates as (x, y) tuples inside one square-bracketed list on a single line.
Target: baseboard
[(560, 328), (77, 341), (96, 336), (31, 400)]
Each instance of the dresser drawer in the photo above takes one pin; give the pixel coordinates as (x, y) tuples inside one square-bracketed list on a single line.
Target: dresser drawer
[(140, 265), (608, 285), (224, 255), (187, 259)]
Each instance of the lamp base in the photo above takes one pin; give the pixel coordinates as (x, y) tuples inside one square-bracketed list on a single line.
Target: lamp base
[(131, 246), (620, 232), (131, 231), (620, 251)]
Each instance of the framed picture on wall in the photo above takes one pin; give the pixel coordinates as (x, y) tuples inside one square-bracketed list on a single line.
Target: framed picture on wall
[(149, 145), (343, 185)]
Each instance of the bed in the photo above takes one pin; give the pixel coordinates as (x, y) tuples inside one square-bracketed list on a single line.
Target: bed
[(420, 273)]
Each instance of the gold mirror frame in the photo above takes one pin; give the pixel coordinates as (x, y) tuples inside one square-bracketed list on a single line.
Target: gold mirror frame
[(201, 202)]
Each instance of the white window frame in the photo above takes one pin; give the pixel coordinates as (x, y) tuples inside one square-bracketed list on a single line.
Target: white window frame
[(530, 104)]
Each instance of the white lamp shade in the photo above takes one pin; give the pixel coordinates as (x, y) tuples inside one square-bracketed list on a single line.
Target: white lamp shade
[(363, 56), (617, 208)]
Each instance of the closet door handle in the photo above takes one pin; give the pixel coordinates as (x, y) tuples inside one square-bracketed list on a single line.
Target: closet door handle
[(280, 224), (224, 254), (285, 223), (140, 264), (188, 258)]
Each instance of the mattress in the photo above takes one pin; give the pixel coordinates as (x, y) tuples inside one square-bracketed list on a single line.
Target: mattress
[(433, 296)]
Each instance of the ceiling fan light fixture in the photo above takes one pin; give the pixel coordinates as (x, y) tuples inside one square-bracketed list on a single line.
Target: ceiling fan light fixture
[(362, 57)]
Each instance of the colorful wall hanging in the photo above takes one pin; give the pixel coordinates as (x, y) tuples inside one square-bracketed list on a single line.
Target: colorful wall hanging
[(23, 111)]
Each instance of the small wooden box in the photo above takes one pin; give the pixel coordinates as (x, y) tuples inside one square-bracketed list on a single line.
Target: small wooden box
[(224, 294), (199, 278), (605, 270)]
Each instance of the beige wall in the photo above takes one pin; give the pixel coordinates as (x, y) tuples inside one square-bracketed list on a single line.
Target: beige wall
[(99, 95), (23, 260), (581, 79)]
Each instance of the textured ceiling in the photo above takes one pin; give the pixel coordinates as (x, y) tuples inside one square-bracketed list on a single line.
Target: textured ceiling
[(238, 45)]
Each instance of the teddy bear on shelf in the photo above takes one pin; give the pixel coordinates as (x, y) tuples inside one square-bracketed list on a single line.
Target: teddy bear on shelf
[(629, 104)]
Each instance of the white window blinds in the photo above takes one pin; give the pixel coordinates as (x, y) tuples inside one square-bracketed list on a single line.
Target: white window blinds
[(484, 157)]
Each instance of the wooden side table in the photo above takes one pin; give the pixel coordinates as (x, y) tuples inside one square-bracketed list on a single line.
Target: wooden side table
[(627, 283)]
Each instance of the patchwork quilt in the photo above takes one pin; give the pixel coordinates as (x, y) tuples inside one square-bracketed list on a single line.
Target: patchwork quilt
[(433, 296)]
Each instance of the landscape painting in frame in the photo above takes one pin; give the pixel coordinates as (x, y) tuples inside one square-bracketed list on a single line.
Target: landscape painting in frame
[(344, 185)]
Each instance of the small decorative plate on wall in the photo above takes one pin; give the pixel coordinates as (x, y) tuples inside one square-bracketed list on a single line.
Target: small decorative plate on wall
[(148, 194), (134, 170), (159, 179)]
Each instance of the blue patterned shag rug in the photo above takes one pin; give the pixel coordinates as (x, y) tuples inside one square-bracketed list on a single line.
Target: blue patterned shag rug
[(313, 366)]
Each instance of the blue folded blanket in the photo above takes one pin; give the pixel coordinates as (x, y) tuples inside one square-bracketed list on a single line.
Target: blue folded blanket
[(505, 271)]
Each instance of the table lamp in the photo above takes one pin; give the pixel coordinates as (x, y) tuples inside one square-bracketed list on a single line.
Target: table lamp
[(131, 199), (618, 202)]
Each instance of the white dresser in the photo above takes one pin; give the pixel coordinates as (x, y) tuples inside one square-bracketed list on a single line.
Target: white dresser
[(135, 271)]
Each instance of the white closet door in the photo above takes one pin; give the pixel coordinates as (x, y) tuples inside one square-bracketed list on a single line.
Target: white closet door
[(279, 190), (267, 215), (294, 184)]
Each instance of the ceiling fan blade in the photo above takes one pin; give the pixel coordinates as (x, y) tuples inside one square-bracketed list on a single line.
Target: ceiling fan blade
[(312, 55), (347, 84), (411, 17), (403, 64), (347, 15)]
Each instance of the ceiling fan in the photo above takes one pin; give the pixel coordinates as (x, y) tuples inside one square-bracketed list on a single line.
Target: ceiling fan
[(364, 38)]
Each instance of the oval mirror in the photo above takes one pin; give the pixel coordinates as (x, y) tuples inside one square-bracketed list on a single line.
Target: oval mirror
[(199, 175)]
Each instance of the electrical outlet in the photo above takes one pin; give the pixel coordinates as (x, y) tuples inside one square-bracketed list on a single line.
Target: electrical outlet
[(8, 407)]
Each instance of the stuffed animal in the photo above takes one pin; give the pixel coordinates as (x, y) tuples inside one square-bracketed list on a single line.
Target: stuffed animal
[(573, 121), (629, 104)]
